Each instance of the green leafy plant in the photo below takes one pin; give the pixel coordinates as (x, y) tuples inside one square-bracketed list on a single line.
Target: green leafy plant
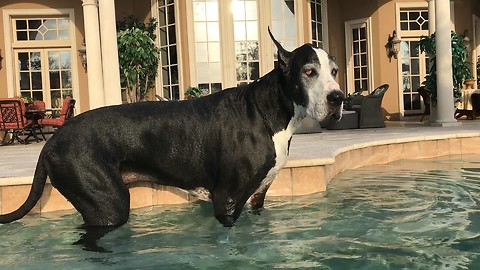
[(138, 59), (193, 92), (460, 65)]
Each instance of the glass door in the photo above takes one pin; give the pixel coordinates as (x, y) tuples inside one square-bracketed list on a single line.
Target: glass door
[(414, 70), (44, 74), (358, 55)]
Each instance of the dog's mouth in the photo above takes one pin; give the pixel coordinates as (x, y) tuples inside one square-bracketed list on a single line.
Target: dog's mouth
[(336, 112), (335, 101)]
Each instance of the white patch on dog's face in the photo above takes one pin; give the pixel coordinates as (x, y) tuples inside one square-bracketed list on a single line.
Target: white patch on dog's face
[(319, 81)]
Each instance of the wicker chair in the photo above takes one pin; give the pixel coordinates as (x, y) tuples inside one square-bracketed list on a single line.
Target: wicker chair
[(369, 108)]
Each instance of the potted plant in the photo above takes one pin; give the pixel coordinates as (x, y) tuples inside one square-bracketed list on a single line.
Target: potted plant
[(193, 92), (138, 57), (460, 65)]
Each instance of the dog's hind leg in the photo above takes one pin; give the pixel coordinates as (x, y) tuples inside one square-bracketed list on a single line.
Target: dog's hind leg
[(258, 198), (99, 194)]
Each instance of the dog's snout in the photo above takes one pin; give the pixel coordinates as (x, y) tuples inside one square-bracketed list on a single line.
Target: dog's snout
[(335, 98)]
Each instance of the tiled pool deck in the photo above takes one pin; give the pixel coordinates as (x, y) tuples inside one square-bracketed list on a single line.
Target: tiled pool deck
[(314, 160)]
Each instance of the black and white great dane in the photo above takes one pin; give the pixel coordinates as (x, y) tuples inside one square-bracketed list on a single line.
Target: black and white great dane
[(225, 147)]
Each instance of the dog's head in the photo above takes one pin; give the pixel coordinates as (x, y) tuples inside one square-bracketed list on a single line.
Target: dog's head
[(310, 74)]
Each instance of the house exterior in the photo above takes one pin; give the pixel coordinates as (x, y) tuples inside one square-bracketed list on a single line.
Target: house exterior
[(216, 44)]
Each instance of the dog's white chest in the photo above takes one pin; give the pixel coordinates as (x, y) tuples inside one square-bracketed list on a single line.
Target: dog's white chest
[(281, 142)]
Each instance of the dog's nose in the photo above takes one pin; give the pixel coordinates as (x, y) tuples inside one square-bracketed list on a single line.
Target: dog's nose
[(335, 98)]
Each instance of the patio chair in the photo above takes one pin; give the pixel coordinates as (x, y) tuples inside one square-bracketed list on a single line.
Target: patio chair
[(13, 120), (369, 108), (425, 94), (66, 113)]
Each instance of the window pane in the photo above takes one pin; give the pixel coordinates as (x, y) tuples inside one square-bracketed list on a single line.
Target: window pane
[(24, 81), (214, 52), (66, 79), (23, 62), (65, 60), (35, 61), (50, 24), (53, 60), (54, 80), (36, 80), (21, 24)]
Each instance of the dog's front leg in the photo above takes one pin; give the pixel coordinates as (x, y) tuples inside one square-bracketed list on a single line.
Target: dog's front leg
[(226, 208)]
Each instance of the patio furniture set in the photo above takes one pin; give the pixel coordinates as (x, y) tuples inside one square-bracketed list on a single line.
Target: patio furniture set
[(20, 122)]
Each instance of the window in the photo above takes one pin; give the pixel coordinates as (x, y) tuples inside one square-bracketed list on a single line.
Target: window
[(317, 18), (246, 40), (41, 29), (360, 56), (413, 19), (168, 48), (207, 45), (45, 74), (359, 70), (41, 44), (283, 23)]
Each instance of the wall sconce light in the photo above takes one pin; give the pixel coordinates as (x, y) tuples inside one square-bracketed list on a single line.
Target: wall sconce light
[(393, 45), (1, 59), (83, 54)]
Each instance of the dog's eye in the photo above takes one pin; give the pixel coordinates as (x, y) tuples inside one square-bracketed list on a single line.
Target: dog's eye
[(334, 72), (310, 72)]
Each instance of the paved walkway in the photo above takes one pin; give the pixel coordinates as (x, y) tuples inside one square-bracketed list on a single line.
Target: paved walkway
[(17, 162)]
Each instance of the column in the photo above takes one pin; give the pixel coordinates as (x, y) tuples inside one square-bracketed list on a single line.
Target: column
[(111, 71), (431, 30), (94, 54), (445, 100)]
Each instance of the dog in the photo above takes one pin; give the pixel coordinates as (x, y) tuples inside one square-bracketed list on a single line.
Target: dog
[(226, 147)]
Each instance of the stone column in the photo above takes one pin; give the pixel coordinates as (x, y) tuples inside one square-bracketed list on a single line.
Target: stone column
[(431, 30), (111, 72), (96, 93), (445, 100)]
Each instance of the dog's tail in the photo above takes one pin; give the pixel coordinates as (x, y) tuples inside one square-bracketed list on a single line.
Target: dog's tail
[(36, 191)]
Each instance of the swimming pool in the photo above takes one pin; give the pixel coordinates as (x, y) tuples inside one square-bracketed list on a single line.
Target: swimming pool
[(409, 214)]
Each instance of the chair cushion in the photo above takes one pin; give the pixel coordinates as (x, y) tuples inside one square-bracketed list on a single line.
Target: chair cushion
[(51, 122)]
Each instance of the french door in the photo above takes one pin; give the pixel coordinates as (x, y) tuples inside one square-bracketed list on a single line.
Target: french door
[(44, 74), (414, 69), (358, 56)]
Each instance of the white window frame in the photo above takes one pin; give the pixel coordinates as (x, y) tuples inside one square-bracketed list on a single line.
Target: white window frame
[(10, 45), (178, 26), (349, 53), (324, 24)]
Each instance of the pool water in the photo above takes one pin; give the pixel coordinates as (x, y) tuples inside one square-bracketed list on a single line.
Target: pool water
[(409, 214)]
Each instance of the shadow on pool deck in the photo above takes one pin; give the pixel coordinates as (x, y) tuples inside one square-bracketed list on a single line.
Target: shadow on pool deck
[(19, 161)]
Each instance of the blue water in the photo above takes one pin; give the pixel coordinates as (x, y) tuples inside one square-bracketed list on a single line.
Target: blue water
[(422, 214)]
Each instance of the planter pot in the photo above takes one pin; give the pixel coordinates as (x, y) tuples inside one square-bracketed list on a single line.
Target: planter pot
[(469, 84)]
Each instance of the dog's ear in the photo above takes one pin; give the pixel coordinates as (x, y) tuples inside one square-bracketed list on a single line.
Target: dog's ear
[(284, 56)]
